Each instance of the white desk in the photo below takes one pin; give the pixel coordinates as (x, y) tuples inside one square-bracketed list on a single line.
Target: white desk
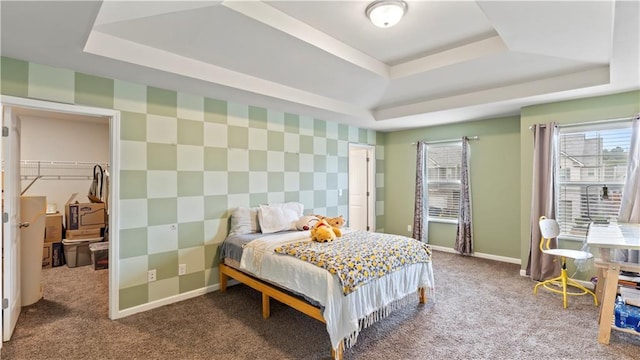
[(608, 238)]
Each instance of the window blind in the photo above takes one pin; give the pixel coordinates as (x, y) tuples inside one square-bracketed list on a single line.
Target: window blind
[(592, 163), (443, 180)]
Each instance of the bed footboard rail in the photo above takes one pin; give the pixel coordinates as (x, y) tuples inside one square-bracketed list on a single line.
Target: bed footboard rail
[(268, 291)]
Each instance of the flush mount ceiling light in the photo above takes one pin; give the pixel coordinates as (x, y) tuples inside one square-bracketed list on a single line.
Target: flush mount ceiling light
[(386, 13)]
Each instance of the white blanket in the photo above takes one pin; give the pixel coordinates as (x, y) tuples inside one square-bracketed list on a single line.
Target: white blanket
[(341, 313)]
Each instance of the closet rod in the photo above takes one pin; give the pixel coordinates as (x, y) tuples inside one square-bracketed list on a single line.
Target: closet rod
[(40, 166), (56, 177), (596, 122), (59, 162), (447, 141)]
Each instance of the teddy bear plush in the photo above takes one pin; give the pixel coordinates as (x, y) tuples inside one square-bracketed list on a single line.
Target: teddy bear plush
[(306, 222), (339, 220), (336, 222), (323, 232)]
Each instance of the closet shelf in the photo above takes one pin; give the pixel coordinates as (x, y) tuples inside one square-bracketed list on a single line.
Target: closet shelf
[(57, 170)]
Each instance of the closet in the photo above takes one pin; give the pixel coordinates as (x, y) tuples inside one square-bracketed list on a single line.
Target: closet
[(49, 152), (64, 157)]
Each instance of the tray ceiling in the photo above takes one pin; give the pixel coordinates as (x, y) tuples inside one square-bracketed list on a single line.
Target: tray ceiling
[(446, 61)]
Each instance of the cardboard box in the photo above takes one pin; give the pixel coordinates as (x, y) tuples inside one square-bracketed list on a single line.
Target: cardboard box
[(47, 255), (82, 216), (57, 254), (53, 228), (82, 234)]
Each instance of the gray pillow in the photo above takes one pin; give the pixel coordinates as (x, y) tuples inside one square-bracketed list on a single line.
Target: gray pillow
[(244, 221)]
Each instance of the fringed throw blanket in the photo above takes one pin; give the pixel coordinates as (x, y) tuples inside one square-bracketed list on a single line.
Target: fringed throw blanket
[(375, 316), (360, 256)]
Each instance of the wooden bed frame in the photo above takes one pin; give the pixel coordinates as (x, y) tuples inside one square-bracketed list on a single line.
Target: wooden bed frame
[(270, 291)]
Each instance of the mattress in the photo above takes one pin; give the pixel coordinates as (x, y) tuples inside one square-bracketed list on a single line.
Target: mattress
[(233, 245), (344, 315)]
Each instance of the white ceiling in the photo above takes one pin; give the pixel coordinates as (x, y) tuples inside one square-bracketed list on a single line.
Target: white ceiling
[(446, 61)]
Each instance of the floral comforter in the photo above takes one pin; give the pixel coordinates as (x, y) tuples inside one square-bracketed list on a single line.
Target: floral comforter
[(360, 256)]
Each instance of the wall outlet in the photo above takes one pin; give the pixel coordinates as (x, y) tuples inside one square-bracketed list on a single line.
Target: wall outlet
[(151, 275), (182, 269), (409, 228)]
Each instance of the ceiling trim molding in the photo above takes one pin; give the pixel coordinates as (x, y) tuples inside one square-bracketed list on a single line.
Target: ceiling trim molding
[(490, 46), (117, 48), (277, 19), (581, 79)]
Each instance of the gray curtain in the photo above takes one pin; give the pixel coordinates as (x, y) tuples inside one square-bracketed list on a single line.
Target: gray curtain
[(630, 204), (464, 238), (420, 222), (540, 266)]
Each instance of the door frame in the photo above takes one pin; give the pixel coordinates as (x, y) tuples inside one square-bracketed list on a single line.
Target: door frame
[(114, 179), (371, 182)]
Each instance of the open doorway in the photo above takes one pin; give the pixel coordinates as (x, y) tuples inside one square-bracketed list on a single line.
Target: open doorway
[(59, 148), (362, 187)]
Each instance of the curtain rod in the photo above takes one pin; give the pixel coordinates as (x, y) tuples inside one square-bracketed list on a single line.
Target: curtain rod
[(596, 122), (449, 140)]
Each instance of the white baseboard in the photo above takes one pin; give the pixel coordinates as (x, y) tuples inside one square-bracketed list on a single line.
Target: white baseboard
[(480, 255), (588, 284), (523, 272), (170, 300)]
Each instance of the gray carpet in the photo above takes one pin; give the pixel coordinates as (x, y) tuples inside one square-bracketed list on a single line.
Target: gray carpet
[(483, 310)]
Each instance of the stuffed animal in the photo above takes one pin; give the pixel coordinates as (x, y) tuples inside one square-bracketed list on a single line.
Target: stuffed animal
[(306, 222), (336, 222), (323, 232)]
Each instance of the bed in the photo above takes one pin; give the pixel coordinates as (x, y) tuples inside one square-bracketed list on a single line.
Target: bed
[(279, 265)]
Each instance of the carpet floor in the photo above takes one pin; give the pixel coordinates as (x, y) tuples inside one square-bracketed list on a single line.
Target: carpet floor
[(482, 309)]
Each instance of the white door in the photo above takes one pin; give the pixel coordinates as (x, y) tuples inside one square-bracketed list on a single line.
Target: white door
[(361, 210), (11, 237)]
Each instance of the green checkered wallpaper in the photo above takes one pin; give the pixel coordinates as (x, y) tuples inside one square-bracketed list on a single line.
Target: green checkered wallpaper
[(186, 160)]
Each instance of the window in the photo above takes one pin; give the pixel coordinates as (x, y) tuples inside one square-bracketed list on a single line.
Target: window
[(443, 180), (591, 159)]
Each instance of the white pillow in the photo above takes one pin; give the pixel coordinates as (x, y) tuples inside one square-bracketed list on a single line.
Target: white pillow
[(244, 221), (274, 218), (296, 207)]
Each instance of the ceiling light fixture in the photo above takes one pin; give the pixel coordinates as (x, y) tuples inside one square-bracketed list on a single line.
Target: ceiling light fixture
[(386, 13)]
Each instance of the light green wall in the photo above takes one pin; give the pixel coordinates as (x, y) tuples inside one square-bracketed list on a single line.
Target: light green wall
[(621, 105), (187, 159), (495, 183), (501, 171)]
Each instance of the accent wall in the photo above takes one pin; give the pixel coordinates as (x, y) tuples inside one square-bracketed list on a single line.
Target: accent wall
[(186, 160)]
